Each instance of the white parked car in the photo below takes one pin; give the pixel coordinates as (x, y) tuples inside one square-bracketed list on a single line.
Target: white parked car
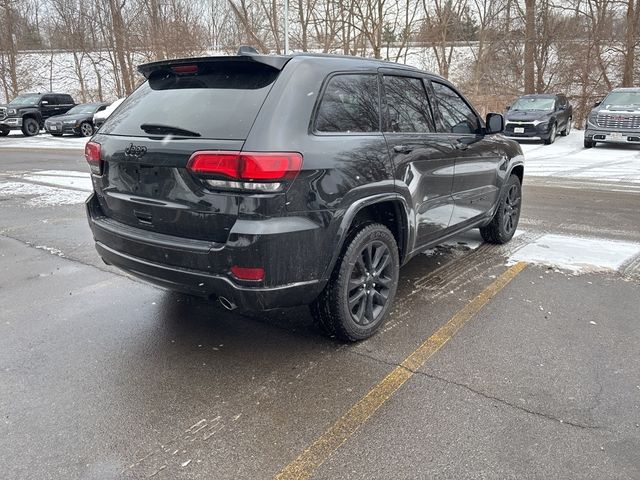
[(100, 117)]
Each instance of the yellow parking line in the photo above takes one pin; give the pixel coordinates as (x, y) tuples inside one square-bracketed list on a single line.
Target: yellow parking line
[(309, 460)]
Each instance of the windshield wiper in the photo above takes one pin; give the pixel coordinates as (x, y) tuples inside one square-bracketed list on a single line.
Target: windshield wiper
[(155, 128)]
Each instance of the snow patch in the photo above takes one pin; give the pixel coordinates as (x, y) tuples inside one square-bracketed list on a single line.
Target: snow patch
[(42, 195), (77, 180), (567, 158), (577, 254)]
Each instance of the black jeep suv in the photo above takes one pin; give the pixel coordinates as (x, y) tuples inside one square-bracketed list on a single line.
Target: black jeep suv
[(28, 112), (274, 181), (539, 117)]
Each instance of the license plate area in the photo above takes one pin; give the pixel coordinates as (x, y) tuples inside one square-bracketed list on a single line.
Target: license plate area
[(616, 136), (53, 127), (518, 130)]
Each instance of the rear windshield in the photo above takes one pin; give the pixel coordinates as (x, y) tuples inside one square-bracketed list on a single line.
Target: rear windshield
[(220, 101)]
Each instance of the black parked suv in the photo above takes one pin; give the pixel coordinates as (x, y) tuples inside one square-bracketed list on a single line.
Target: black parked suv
[(77, 121), (616, 119), (539, 117), (275, 181), (29, 111)]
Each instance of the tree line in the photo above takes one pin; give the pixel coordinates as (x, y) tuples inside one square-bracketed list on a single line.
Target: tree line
[(493, 49)]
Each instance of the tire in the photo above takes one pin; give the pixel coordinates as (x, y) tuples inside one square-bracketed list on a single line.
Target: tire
[(359, 294), (567, 129), (4, 131), (505, 221), (85, 129), (552, 135), (589, 143), (30, 127)]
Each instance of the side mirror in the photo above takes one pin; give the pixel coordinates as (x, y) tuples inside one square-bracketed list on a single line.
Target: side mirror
[(597, 104), (494, 123), (44, 102), (563, 107)]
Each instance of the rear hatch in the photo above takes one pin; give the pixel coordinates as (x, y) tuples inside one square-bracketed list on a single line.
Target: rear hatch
[(145, 146)]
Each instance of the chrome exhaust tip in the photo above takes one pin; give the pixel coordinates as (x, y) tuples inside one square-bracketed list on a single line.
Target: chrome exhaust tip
[(226, 303)]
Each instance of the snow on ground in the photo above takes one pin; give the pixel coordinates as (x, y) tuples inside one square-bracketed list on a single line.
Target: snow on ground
[(46, 188), (43, 141), (577, 254), (567, 158)]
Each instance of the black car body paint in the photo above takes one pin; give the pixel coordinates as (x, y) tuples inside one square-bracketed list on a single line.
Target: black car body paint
[(154, 218)]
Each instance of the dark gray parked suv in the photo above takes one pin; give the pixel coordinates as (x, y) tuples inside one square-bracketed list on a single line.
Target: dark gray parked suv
[(616, 119), (540, 116), (275, 181)]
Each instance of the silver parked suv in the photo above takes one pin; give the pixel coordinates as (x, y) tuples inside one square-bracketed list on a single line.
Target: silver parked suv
[(616, 119)]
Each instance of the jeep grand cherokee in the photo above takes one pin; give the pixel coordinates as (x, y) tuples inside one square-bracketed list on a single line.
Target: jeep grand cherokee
[(274, 181)]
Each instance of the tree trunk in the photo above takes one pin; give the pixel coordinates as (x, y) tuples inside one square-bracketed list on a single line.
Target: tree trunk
[(630, 42), (529, 46)]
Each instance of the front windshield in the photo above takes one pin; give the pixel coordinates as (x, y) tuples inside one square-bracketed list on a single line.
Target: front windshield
[(533, 103), (25, 100), (621, 99), (83, 109)]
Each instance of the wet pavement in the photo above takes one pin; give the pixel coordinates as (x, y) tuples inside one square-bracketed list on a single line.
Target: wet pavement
[(103, 376)]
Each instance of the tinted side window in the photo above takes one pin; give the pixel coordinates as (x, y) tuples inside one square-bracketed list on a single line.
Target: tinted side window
[(350, 104), (408, 106), (51, 99), (457, 116), (65, 99)]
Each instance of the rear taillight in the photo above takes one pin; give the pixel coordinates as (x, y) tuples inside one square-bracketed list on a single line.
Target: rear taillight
[(262, 171), (92, 155)]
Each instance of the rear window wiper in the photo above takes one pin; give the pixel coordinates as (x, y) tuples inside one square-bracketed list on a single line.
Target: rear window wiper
[(167, 130)]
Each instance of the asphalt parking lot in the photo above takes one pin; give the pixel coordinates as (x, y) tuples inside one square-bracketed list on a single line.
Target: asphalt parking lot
[(515, 361)]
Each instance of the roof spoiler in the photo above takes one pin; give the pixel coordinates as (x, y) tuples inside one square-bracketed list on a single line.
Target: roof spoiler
[(245, 54)]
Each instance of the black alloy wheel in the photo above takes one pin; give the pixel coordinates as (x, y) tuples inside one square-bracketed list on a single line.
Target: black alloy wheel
[(360, 292), (370, 283), (511, 210), (505, 221), (30, 127)]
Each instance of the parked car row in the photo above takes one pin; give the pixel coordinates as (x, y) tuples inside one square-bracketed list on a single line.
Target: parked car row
[(616, 119), (57, 113)]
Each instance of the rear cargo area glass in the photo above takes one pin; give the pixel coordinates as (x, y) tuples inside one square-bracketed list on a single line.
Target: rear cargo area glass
[(219, 101)]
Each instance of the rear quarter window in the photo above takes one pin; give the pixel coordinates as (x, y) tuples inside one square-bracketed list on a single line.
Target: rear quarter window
[(350, 104), (220, 101)]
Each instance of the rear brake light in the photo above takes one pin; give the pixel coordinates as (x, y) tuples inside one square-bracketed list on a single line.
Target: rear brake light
[(244, 273), (93, 156), (253, 170), (184, 69)]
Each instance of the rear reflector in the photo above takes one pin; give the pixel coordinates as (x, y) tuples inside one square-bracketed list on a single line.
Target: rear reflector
[(243, 273), (93, 157), (246, 166)]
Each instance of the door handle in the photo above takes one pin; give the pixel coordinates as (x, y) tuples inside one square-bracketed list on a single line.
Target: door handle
[(460, 145), (403, 149)]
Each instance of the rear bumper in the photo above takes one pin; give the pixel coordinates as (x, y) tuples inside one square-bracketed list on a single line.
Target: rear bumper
[(602, 135), (202, 268)]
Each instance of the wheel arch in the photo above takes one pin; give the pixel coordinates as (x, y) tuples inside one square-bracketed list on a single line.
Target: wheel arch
[(391, 210)]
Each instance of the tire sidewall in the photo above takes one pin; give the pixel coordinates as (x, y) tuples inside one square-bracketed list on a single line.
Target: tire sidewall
[(377, 233)]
